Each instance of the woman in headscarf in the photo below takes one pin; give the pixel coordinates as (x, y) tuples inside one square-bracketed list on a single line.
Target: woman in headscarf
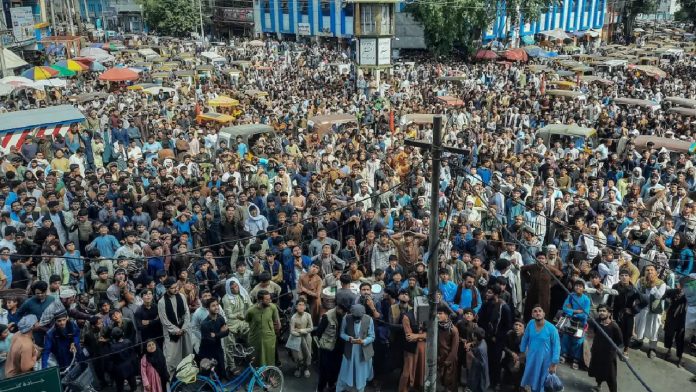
[(235, 304), (153, 368), (358, 333)]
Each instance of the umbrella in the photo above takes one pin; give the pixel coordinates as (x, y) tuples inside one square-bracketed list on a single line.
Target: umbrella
[(96, 66), (118, 75), (73, 65), (486, 55), (62, 71), (16, 81), (5, 89), (84, 60), (39, 84), (256, 43), (516, 55), (38, 73)]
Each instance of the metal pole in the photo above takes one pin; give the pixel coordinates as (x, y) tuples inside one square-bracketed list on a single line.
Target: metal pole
[(433, 246), (84, 2), (200, 14), (53, 19), (103, 20), (2, 56), (68, 9)]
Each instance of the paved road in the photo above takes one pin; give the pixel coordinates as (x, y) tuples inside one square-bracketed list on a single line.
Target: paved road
[(660, 375)]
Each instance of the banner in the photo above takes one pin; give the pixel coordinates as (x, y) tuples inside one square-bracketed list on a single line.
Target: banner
[(47, 380)]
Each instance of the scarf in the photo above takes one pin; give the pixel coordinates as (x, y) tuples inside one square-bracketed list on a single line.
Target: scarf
[(180, 309), (646, 284), (446, 325), (157, 361), (235, 297)]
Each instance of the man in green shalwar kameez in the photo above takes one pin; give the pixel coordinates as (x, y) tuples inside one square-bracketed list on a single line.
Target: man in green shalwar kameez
[(263, 321)]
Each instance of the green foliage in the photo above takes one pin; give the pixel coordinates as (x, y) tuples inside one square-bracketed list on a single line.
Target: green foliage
[(687, 13), (455, 23), (171, 17), (450, 24), (633, 9)]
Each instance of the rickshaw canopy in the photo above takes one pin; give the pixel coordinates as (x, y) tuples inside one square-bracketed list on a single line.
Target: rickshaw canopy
[(417, 118), (223, 101), (323, 124), (216, 117)]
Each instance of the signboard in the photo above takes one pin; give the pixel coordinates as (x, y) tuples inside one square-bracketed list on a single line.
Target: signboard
[(230, 14), (367, 54), (303, 28), (22, 23), (384, 51), (47, 380)]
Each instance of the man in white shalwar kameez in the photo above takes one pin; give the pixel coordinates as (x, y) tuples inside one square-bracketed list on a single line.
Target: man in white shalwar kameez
[(358, 332), (176, 321), (651, 290)]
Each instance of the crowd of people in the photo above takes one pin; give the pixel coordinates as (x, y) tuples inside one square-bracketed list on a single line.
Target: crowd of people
[(140, 237)]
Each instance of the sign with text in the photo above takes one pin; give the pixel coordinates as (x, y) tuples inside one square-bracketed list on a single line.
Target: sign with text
[(22, 23), (384, 51), (47, 380), (368, 51), (303, 29)]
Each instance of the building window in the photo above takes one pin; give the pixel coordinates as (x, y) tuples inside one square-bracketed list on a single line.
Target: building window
[(375, 19), (325, 8), (385, 20), (348, 10), (368, 22), (284, 6), (304, 8)]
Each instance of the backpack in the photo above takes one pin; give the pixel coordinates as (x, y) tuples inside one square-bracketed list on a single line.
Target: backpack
[(187, 370)]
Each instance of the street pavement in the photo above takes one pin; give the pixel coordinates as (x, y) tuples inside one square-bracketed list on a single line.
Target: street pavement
[(661, 376)]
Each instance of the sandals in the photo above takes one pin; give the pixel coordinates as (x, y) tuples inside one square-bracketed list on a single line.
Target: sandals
[(575, 366)]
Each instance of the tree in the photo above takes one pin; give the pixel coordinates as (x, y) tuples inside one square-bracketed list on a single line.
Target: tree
[(631, 9), (448, 24), (171, 17), (687, 13)]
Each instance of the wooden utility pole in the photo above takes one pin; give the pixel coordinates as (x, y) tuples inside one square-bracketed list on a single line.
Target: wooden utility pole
[(436, 150)]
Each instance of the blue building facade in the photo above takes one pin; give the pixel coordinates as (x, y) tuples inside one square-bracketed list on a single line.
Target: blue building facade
[(570, 16), (334, 18), (324, 18)]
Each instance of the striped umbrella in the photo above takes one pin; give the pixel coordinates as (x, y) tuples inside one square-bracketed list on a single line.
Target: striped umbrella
[(73, 65), (39, 73), (62, 71)]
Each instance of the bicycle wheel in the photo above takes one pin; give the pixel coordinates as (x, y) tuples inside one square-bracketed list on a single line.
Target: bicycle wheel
[(268, 379), (202, 384)]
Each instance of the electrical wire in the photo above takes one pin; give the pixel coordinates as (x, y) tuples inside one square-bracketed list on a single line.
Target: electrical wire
[(570, 295)]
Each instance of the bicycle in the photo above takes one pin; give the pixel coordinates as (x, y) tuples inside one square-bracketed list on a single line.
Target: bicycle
[(77, 377), (264, 378)]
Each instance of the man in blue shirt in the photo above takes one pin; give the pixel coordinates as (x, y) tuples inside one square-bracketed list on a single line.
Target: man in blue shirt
[(6, 266), (447, 288), (62, 340), (577, 308), (467, 296), (106, 243)]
